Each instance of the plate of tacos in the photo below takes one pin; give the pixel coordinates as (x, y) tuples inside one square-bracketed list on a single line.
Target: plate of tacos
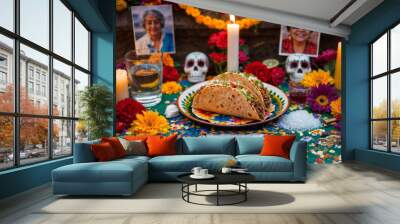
[(233, 100)]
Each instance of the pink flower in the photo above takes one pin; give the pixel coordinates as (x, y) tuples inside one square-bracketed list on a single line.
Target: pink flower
[(218, 57), (325, 57), (243, 58)]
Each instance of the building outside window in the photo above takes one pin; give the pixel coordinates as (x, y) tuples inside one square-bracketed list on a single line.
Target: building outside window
[(30, 87), (59, 125)]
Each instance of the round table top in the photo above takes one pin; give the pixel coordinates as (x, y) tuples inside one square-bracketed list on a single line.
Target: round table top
[(220, 178)]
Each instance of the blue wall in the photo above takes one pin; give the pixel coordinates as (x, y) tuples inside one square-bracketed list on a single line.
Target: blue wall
[(99, 15), (356, 73)]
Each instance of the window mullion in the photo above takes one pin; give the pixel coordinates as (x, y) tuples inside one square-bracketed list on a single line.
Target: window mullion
[(50, 81), (16, 70), (389, 108), (73, 82)]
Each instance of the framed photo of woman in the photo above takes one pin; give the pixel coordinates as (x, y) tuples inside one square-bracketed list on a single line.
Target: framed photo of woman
[(297, 40), (153, 29)]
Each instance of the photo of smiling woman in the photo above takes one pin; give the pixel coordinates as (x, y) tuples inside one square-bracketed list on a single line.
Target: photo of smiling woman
[(296, 40), (153, 28)]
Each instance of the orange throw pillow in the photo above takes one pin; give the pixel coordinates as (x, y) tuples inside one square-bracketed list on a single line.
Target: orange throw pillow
[(135, 138), (161, 146), (103, 152), (116, 145), (277, 145)]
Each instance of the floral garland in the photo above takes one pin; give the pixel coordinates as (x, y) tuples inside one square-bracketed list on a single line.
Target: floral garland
[(213, 23)]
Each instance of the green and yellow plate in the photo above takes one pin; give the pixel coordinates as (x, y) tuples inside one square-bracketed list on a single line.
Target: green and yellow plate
[(279, 100)]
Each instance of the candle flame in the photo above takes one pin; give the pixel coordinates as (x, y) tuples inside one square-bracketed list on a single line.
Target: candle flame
[(232, 18)]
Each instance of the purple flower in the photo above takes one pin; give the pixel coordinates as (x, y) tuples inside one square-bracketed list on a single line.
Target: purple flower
[(320, 98), (325, 57), (121, 66)]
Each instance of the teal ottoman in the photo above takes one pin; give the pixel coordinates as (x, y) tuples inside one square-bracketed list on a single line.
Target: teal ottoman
[(118, 177)]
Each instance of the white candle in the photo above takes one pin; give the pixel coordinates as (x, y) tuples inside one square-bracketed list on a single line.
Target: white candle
[(233, 45), (121, 84)]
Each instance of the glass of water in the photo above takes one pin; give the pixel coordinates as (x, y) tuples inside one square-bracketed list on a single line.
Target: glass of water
[(145, 77)]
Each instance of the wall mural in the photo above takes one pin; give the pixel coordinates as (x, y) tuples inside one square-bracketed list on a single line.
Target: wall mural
[(195, 72)]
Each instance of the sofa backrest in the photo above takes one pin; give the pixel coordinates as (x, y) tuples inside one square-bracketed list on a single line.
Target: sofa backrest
[(83, 152), (210, 144), (249, 144)]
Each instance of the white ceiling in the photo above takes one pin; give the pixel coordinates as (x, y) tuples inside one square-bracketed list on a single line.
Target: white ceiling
[(318, 15)]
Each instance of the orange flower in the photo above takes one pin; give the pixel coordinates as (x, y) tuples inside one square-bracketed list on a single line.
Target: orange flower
[(214, 23), (336, 107), (168, 60), (171, 88), (149, 123)]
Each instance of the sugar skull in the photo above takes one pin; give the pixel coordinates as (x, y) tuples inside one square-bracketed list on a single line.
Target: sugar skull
[(196, 66), (297, 65)]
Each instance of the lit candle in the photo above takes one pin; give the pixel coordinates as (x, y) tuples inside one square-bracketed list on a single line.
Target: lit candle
[(233, 45), (338, 67), (121, 84)]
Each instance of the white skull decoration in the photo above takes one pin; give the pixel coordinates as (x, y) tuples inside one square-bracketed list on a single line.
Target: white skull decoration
[(297, 65), (196, 66)]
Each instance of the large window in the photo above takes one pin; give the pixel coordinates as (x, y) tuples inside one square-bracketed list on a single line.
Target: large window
[(385, 91), (44, 64)]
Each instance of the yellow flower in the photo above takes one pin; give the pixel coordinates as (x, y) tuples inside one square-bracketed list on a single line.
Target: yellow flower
[(121, 5), (171, 88), (315, 78), (336, 107), (149, 123), (168, 60)]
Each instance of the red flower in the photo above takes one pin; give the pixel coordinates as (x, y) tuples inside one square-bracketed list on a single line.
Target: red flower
[(220, 40), (218, 57), (273, 76), (258, 69), (126, 110), (170, 74), (120, 126), (243, 58), (277, 75)]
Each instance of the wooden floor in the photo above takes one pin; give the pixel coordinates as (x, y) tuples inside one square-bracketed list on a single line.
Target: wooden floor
[(377, 188)]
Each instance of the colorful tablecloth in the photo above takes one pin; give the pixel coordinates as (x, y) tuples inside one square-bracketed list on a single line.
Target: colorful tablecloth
[(324, 144)]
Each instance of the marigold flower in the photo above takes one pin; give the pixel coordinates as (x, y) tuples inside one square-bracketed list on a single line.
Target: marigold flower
[(149, 123), (171, 88)]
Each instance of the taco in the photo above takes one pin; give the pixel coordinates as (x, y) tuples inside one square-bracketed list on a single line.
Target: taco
[(251, 82), (229, 98)]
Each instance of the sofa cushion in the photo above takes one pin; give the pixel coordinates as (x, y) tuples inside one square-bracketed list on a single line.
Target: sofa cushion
[(216, 144), (112, 171), (249, 144), (257, 163), (185, 163)]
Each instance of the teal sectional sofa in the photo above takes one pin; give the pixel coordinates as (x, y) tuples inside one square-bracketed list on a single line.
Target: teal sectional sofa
[(125, 176)]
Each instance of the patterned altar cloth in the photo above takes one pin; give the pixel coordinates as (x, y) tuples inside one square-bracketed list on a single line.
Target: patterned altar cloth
[(324, 144)]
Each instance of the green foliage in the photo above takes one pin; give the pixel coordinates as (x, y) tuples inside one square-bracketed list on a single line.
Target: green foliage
[(96, 103)]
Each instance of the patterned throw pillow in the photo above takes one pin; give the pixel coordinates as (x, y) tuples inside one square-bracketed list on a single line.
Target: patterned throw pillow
[(134, 147)]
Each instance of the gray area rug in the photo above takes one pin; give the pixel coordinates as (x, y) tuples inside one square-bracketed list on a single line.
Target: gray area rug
[(166, 198)]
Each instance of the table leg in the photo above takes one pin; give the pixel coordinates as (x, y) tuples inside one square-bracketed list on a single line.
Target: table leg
[(195, 188), (245, 193), (217, 194)]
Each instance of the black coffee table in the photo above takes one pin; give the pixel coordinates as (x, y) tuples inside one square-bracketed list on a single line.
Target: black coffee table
[(238, 179)]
